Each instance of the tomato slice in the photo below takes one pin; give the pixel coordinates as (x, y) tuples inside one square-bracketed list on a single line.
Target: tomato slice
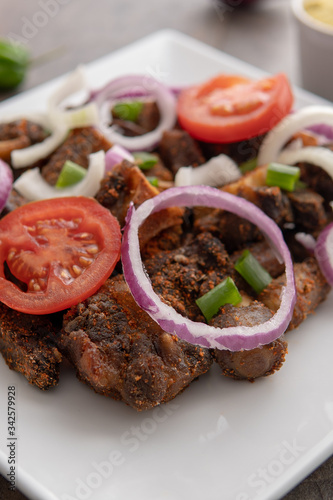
[(59, 252), (230, 108)]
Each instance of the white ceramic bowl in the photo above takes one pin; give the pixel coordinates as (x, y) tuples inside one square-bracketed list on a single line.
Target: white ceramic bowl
[(315, 40)]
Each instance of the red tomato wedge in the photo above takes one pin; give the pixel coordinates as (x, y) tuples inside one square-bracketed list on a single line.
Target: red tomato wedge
[(230, 108), (56, 253)]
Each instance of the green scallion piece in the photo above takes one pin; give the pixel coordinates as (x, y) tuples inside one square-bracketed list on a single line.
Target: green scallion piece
[(71, 173), (153, 181), (248, 166), (225, 292), (283, 176), (144, 160), (127, 110), (252, 271)]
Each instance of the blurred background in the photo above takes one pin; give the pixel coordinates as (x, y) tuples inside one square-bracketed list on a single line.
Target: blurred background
[(63, 33), (60, 34)]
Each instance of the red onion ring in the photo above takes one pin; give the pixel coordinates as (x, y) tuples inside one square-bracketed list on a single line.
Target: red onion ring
[(6, 183), (166, 102), (233, 338), (116, 155), (324, 252)]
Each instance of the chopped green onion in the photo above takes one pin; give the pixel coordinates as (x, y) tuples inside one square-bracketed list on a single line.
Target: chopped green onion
[(127, 110), (224, 293), (252, 271), (283, 176), (70, 174), (144, 160), (248, 166), (153, 181)]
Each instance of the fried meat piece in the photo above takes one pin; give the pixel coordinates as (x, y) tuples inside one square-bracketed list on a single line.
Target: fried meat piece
[(308, 210), (17, 135), (80, 143), (303, 207), (234, 231), (311, 286), (27, 346), (178, 149), (270, 199), (119, 351), (182, 275), (125, 184), (254, 363), (317, 179), (240, 152)]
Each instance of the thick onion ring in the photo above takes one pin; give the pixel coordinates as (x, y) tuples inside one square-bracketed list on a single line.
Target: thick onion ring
[(233, 338)]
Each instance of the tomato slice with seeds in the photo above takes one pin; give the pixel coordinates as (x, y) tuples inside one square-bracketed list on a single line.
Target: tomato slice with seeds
[(57, 253), (231, 108)]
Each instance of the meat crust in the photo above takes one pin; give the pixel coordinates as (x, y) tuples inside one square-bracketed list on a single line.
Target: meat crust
[(311, 287), (120, 352), (26, 345), (254, 363)]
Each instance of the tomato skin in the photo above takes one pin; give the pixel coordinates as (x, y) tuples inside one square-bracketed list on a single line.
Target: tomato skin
[(268, 100), (52, 233)]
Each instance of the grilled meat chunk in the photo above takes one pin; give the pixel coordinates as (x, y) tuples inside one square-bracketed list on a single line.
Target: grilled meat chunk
[(182, 275), (254, 363), (17, 135), (318, 180), (27, 346), (308, 210), (228, 227), (120, 352), (178, 149), (311, 286), (240, 152), (80, 143), (125, 184)]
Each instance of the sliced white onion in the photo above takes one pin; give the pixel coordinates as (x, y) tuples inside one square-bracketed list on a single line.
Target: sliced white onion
[(32, 186), (166, 103), (82, 116), (218, 171), (316, 155), (324, 252), (28, 156), (233, 338), (277, 138), (57, 121), (25, 157)]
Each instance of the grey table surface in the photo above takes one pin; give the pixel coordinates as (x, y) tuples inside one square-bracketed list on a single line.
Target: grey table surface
[(80, 31)]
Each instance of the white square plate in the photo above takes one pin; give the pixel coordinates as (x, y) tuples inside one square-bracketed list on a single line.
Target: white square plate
[(220, 439)]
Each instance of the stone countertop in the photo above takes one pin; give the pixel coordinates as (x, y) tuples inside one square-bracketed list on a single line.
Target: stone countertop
[(80, 31)]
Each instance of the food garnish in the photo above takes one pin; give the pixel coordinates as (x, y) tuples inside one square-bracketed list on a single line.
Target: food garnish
[(225, 292), (198, 333), (34, 187), (230, 108), (58, 254)]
